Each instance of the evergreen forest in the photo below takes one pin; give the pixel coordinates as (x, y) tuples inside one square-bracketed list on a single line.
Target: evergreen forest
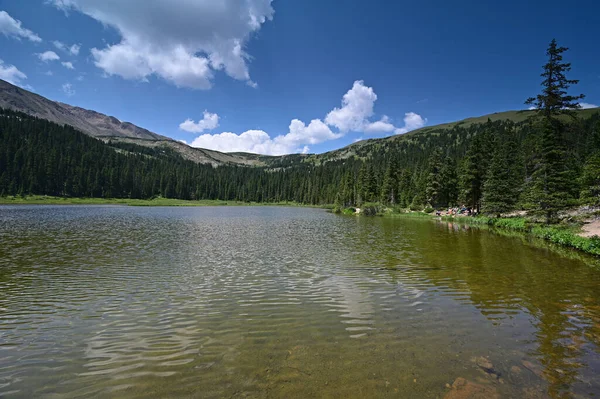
[(546, 163)]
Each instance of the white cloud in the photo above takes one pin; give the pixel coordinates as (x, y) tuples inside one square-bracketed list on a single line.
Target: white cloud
[(184, 42), (73, 49), (48, 56), (412, 121), (357, 107), (255, 141), (532, 108), (12, 27), (68, 65), (259, 141), (48, 73), (12, 75), (208, 122), (383, 125), (68, 89), (587, 105), (316, 132)]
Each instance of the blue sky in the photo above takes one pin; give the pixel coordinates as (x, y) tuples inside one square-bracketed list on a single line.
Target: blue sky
[(288, 76)]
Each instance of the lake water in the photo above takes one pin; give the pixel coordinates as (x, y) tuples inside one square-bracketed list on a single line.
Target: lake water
[(276, 302)]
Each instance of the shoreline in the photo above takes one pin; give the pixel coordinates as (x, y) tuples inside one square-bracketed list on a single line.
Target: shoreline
[(583, 236), (169, 202), (567, 236), (583, 239)]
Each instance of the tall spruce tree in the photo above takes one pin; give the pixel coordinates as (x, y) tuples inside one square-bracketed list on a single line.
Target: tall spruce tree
[(388, 186), (504, 177), (433, 189), (590, 180), (473, 171), (449, 180), (552, 181)]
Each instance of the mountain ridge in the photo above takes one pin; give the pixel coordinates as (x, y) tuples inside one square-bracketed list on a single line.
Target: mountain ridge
[(107, 128)]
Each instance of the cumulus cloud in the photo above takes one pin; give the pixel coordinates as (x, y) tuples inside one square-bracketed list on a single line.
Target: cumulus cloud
[(184, 42), (208, 122), (68, 89), (12, 75), (48, 56), (357, 107), (587, 105), (73, 49), (383, 125), (12, 27), (412, 121), (354, 115), (299, 133), (255, 141), (259, 141), (68, 65)]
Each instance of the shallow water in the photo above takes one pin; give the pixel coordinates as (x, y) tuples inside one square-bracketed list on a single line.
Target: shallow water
[(285, 302)]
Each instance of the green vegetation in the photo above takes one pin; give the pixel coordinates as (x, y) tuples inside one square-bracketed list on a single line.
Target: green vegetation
[(47, 200), (559, 234), (542, 161)]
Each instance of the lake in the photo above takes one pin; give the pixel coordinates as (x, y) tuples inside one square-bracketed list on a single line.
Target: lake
[(278, 302)]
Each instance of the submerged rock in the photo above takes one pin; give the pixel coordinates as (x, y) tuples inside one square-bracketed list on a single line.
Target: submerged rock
[(537, 370), (486, 365), (465, 389)]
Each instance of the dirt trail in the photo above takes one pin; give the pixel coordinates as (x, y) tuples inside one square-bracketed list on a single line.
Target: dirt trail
[(591, 229)]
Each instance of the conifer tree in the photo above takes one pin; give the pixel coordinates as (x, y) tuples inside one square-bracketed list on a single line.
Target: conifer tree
[(551, 179), (434, 179), (473, 171), (504, 178), (449, 187), (389, 185), (590, 180)]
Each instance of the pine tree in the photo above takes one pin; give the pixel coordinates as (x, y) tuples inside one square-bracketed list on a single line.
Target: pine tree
[(504, 178), (405, 190), (473, 171), (389, 186), (552, 181), (590, 180), (554, 99), (369, 183), (449, 187), (434, 179)]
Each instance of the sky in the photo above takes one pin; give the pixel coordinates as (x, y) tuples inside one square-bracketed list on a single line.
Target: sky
[(286, 76)]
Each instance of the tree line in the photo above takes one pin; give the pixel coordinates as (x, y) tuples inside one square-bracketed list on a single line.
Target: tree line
[(544, 164)]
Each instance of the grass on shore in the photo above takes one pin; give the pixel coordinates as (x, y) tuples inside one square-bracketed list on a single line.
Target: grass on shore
[(563, 235), (47, 200)]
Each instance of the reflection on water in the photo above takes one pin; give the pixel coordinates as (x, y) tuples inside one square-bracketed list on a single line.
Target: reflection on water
[(286, 302)]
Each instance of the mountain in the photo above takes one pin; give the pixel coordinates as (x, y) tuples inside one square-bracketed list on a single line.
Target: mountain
[(441, 166), (107, 128), (366, 148)]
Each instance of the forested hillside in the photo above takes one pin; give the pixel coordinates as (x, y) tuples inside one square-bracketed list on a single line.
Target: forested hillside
[(543, 163), (40, 157)]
